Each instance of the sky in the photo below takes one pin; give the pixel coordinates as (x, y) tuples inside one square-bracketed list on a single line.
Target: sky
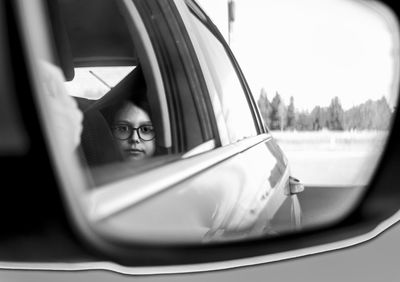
[(313, 50)]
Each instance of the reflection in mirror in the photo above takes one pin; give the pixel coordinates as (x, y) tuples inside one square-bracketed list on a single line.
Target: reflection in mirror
[(325, 76), (323, 73)]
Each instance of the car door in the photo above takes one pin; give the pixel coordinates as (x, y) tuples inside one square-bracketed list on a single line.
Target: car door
[(238, 119)]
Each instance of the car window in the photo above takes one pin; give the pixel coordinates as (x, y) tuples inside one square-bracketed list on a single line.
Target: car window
[(137, 113), (232, 99), (94, 82)]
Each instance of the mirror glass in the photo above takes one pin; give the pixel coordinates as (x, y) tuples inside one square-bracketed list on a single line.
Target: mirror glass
[(174, 157)]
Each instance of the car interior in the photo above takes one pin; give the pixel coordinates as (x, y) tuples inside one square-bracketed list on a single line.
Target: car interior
[(82, 42)]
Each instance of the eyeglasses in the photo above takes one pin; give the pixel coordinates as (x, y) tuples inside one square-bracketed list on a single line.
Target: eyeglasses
[(125, 131)]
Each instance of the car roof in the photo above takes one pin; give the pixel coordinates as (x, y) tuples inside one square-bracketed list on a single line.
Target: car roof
[(94, 31)]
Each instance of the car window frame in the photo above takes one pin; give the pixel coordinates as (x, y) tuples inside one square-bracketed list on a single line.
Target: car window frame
[(13, 137), (198, 12), (164, 44)]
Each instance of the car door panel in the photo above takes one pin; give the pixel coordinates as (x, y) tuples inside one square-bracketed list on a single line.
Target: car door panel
[(229, 200)]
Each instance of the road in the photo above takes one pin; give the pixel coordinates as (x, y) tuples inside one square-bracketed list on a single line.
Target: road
[(333, 168)]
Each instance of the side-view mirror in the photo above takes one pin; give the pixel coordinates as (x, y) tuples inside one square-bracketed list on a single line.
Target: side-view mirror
[(203, 178)]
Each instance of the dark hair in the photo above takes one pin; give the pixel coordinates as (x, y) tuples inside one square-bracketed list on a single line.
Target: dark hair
[(110, 111), (131, 89)]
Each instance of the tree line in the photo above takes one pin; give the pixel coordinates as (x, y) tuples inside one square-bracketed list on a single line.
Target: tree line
[(371, 115)]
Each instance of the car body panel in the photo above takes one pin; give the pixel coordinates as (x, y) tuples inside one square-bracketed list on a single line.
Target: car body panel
[(231, 200)]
